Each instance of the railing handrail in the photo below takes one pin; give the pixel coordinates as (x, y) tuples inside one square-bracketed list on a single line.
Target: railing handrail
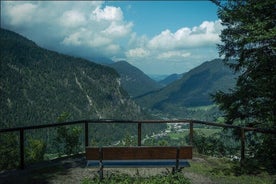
[(139, 123), (97, 121)]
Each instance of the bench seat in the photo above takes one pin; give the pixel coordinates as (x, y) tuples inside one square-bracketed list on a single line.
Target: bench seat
[(137, 163)]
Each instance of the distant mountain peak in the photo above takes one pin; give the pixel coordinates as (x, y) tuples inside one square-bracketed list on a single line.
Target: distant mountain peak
[(134, 81)]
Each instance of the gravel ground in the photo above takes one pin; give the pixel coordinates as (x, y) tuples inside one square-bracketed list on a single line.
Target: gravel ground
[(74, 170)]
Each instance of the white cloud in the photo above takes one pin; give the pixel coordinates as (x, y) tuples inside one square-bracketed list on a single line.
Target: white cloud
[(20, 14), (109, 13), (179, 51), (72, 18), (174, 54), (137, 52), (204, 35), (73, 39), (116, 30), (69, 25)]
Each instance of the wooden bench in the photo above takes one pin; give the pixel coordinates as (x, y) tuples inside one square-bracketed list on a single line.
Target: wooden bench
[(140, 156)]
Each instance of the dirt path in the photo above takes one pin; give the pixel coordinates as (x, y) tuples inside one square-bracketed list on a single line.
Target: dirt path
[(73, 171)]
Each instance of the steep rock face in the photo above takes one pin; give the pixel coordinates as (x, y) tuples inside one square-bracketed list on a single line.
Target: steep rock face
[(134, 81), (37, 85)]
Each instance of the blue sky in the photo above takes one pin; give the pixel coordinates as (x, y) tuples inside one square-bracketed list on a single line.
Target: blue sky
[(158, 37), (151, 17)]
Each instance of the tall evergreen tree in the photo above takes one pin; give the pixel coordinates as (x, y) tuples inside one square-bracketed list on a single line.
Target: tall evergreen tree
[(248, 47)]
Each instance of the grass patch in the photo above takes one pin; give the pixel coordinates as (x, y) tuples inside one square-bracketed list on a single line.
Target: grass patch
[(126, 179), (221, 170)]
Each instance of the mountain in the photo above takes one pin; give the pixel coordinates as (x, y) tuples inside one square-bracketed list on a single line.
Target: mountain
[(100, 60), (171, 78), (192, 90), (133, 80), (38, 85), (157, 77)]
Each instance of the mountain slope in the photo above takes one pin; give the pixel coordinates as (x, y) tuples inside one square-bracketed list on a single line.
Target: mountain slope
[(37, 85), (193, 89), (171, 78), (134, 81)]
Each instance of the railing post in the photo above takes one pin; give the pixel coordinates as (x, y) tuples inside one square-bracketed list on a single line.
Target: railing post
[(242, 147), (139, 134), (191, 133), (22, 156), (86, 135)]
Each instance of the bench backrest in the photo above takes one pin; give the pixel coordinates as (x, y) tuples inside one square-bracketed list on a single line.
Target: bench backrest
[(138, 153)]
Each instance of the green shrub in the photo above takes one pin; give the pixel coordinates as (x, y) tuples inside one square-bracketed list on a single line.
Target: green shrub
[(35, 150), (126, 179), (9, 154)]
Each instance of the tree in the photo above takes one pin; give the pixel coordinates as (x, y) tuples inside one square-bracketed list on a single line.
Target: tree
[(248, 47), (67, 139)]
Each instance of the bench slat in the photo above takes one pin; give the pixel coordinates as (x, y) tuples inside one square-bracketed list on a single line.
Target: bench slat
[(138, 163), (138, 153), (92, 153)]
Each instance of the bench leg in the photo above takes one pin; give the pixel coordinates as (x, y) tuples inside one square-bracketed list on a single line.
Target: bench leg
[(101, 171), (175, 170)]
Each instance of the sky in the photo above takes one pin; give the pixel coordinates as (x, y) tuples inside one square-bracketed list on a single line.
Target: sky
[(158, 37)]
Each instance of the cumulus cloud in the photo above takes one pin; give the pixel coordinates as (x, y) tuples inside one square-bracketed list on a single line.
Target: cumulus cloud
[(109, 13), (137, 52), (72, 18), (117, 30), (90, 28), (69, 26), (204, 35), (21, 13)]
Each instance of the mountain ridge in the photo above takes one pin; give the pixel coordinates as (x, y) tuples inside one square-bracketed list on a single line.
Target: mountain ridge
[(192, 90), (134, 81), (37, 85)]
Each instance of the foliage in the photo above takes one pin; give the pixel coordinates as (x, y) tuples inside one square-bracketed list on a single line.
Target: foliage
[(126, 179), (9, 155), (35, 150), (128, 140), (67, 139), (248, 46), (220, 144)]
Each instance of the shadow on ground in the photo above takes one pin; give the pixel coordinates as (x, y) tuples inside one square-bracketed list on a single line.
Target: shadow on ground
[(44, 173)]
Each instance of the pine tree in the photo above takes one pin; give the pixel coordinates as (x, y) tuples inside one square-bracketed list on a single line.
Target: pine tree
[(248, 47)]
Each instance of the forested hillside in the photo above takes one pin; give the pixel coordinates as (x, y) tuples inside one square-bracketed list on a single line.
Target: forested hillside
[(134, 81), (193, 90), (171, 78), (37, 85)]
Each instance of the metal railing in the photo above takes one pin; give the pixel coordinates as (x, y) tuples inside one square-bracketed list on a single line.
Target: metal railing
[(139, 123)]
